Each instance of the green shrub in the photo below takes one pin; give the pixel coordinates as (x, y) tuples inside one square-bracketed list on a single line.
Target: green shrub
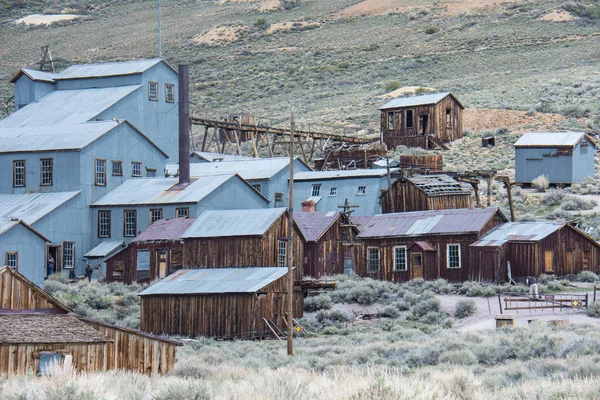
[(541, 183), (433, 318), (389, 312), (587, 276), (394, 85), (465, 308), (458, 357), (593, 309), (430, 30), (577, 204), (316, 303), (324, 316), (553, 197), (424, 306)]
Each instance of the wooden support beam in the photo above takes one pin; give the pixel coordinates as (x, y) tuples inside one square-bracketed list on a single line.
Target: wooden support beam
[(204, 138)]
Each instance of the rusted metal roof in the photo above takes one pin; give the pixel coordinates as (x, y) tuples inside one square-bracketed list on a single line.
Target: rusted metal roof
[(361, 221), (438, 185), (221, 223), (414, 101), (426, 246), (31, 207), (552, 139), (216, 280), (165, 229), (104, 249), (518, 232), (423, 223), (313, 225)]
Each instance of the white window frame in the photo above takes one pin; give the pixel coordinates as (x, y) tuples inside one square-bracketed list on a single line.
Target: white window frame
[(281, 253), (100, 171), (19, 173), (68, 255), (155, 215), (12, 259), (129, 227), (169, 96), (362, 190), (279, 198), (104, 222), (448, 246), (134, 172), (316, 190), (46, 171), (182, 212), (370, 259), (396, 267), (333, 191), (153, 87)]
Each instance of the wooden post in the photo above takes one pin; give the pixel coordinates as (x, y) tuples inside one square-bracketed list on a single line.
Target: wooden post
[(204, 138), (290, 282), (389, 180), (500, 303), (489, 191)]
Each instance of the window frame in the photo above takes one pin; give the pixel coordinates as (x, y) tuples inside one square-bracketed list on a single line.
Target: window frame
[(65, 255), (391, 125), (120, 164), (102, 174), (51, 180), (133, 164), (363, 192), (178, 209), (101, 224), (409, 123), (405, 248), (369, 259), (125, 222), (150, 172), (12, 253), (150, 84), (281, 255), (448, 118), (313, 191), (151, 215), (167, 85), (281, 200), (24, 173), (333, 191), (256, 187), (448, 246)]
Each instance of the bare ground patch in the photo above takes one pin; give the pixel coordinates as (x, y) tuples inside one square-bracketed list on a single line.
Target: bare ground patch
[(491, 119), (221, 35), (406, 91), (557, 16), (39, 19)]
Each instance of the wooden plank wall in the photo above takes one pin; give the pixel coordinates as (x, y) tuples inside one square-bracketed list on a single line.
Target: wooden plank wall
[(315, 254), (427, 163), (408, 197), (129, 257), (15, 294)]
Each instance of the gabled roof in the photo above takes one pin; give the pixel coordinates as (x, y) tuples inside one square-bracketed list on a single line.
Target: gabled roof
[(552, 139), (438, 185), (150, 191), (82, 71), (31, 207), (519, 232), (414, 101), (222, 223), (7, 224), (218, 157), (66, 107), (216, 280), (426, 223), (165, 229), (341, 174), (104, 248), (313, 225), (35, 75), (58, 305)]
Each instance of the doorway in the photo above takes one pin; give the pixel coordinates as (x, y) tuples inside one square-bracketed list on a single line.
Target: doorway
[(423, 120), (330, 267), (417, 265), (161, 263), (549, 261), (53, 250)]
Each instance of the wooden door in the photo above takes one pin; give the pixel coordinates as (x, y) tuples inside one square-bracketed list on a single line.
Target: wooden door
[(417, 265), (585, 260), (570, 261), (549, 261), (161, 263), (330, 267)]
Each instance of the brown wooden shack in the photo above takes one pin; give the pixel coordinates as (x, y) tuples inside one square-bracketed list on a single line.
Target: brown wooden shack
[(426, 192), (424, 244), (37, 330), (325, 236), (225, 303), (240, 238), (421, 121), (153, 254), (535, 248)]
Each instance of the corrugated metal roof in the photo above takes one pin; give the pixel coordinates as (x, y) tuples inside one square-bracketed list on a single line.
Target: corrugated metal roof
[(31, 207), (313, 225), (141, 191), (260, 168), (347, 173), (53, 137), (165, 229), (65, 107), (415, 100), (35, 75), (437, 222), (360, 221), (220, 223), (426, 246), (438, 185), (521, 232), (218, 157), (550, 139), (104, 249), (216, 280), (107, 69), (7, 224)]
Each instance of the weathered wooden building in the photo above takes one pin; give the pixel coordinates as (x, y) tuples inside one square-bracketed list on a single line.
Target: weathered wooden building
[(563, 157), (241, 238), (424, 244), (421, 121), (154, 254), (326, 236), (532, 249), (226, 303), (37, 330), (425, 192)]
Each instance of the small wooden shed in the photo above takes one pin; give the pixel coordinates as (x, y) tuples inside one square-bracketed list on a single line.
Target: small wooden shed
[(36, 330), (534, 248), (426, 192), (225, 303), (421, 121)]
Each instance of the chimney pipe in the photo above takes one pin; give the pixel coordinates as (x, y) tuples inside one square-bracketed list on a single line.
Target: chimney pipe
[(184, 124), (309, 206)]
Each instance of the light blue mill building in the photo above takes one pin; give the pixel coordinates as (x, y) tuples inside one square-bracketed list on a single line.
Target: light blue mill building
[(563, 157)]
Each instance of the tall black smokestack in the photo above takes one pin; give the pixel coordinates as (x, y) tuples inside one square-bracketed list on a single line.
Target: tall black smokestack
[(184, 124)]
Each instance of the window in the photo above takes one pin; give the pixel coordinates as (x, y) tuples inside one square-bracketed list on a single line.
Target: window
[(257, 187), (390, 121), (155, 214), (46, 361), (19, 173), (100, 172), (281, 258), (68, 254), (153, 91), (316, 190), (129, 223), (117, 168), (117, 270), (409, 118), (136, 168), (46, 172), (362, 190), (143, 266), (169, 93), (333, 191), (400, 258), (448, 118), (104, 223), (182, 212), (150, 172), (176, 260), (372, 259), (12, 260), (453, 255), (279, 199)]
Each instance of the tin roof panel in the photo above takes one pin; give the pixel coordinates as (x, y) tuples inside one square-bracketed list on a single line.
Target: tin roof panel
[(31, 207), (165, 229), (104, 249), (223, 223), (415, 100), (549, 139)]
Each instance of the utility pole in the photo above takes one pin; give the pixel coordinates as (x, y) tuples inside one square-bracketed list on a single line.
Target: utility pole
[(389, 180), (159, 36), (290, 288), (348, 210)]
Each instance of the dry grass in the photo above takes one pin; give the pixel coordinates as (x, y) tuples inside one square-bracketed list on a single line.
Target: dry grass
[(291, 26), (221, 35)]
